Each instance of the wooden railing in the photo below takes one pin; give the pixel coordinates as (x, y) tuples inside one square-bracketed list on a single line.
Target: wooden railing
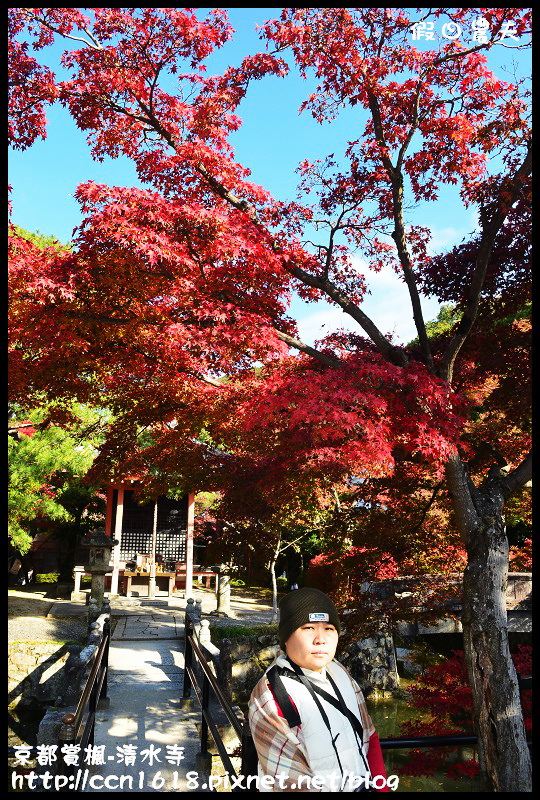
[(205, 689), (78, 726)]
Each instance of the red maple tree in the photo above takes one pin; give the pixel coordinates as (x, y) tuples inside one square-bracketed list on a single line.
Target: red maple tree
[(170, 288), (443, 692)]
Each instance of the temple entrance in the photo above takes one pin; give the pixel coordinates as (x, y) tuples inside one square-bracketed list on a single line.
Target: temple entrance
[(137, 527), (154, 555)]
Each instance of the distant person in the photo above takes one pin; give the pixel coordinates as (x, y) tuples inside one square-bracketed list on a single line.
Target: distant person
[(308, 717)]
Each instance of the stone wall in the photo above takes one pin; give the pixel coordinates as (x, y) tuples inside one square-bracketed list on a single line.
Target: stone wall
[(36, 672), (48, 677), (243, 660), (372, 663), (49, 673)]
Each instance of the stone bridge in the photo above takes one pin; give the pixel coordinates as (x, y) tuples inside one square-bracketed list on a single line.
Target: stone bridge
[(518, 610)]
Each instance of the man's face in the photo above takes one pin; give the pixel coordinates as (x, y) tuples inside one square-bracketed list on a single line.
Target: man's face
[(313, 645)]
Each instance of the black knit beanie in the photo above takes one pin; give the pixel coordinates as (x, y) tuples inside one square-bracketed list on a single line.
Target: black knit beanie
[(305, 605)]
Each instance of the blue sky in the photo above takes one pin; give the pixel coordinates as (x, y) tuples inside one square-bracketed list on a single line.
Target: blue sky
[(271, 142)]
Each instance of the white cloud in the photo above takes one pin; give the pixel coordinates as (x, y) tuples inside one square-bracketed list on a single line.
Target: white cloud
[(388, 306), (442, 239), (388, 303)]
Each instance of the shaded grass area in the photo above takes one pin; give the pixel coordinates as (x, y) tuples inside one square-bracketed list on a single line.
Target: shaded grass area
[(234, 631), (261, 593)]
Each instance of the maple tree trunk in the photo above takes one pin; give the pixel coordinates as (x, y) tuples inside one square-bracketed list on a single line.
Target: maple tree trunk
[(274, 581), (274, 594), (504, 755)]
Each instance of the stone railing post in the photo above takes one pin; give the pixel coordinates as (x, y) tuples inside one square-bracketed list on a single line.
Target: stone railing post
[(67, 735), (191, 609), (94, 633), (225, 668), (93, 612), (204, 632)]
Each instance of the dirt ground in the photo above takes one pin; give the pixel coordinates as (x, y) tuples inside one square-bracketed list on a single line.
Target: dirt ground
[(28, 621), (29, 601)]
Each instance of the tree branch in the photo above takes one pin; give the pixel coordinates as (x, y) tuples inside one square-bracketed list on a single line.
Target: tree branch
[(324, 358), (460, 491), (94, 44), (489, 233), (425, 509), (396, 179), (519, 477), (394, 354)]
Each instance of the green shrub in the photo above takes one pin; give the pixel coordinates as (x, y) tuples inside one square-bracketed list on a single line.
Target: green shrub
[(47, 577), (233, 631), (237, 582)]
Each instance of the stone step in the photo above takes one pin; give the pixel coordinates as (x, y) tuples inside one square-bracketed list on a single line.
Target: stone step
[(156, 603)]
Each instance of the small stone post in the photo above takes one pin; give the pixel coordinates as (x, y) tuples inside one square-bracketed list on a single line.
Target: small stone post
[(152, 576), (76, 594), (223, 591)]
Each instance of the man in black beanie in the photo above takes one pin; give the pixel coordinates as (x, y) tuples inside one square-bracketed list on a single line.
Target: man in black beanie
[(307, 715), (296, 608)]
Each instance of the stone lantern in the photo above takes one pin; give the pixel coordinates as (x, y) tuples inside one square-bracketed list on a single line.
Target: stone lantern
[(99, 563)]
